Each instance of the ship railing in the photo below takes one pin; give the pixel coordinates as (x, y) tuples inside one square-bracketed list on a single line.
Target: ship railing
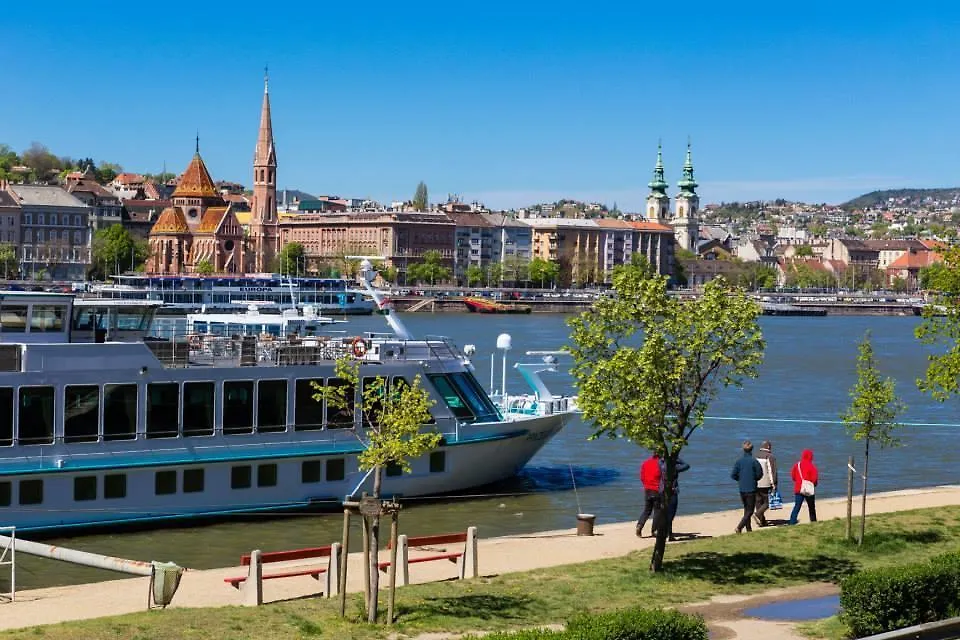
[(8, 558)]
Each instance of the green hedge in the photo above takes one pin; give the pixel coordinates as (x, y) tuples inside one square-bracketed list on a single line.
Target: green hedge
[(625, 624), (891, 598)]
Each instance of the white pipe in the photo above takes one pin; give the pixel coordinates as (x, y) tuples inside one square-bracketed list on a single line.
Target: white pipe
[(503, 380), (366, 275), (85, 558), (493, 367)]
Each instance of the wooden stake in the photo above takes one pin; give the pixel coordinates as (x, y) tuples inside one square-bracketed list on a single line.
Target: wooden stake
[(366, 563), (850, 498), (345, 551), (394, 530)]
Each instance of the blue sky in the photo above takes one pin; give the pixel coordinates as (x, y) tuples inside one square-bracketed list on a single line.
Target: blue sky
[(506, 102)]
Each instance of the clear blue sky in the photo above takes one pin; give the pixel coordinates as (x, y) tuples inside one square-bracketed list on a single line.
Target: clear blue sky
[(509, 105)]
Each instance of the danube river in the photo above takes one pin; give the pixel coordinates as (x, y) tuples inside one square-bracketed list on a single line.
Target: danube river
[(808, 370)]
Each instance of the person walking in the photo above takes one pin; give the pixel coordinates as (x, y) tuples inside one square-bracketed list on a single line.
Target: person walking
[(805, 478), (747, 471), (674, 494), (767, 483), (651, 477)]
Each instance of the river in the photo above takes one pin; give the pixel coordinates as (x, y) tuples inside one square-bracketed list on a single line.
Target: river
[(808, 370)]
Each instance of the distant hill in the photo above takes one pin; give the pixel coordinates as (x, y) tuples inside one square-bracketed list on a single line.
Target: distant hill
[(294, 194), (903, 197)]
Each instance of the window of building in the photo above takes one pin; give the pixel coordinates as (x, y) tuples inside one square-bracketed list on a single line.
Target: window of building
[(40, 235), (336, 469), (119, 411), (198, 408), (163, 409), (28, 236), (115, 486), (31, 492), (81, 413), (28, 218), (394, 469), (267, 475), (6, 416), (238, 406), (271, 405), (77, 239), (165, 483), (308, 412), (5, 494), (35, 424), (85, 488), (438, 461), (340, 418), (311, 471), (241, 477), (13, 318), (192, 480), (40, 218)]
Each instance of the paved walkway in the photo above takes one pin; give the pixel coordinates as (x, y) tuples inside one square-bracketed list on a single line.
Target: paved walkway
[(496, 556)]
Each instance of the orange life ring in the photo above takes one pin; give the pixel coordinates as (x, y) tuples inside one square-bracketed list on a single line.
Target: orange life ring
[(359, 346)]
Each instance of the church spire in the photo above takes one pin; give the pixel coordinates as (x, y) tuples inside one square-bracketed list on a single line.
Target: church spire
[(687, 184), (658, 186), (265, 154)]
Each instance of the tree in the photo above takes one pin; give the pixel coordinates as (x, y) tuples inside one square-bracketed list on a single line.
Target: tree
[(494, 274), (391, 416), (8, 258), (474, 275), (389, 274), (804, 251), (516, 270), (43, 163), (292, 259), (420, 201), (872, 414), (107, 171), (114, 250), (430, 270), (656, 394), (203, 268), (544, 271), (941, 328)]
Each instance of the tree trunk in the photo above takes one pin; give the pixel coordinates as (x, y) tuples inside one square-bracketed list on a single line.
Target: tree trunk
[(661, 518), (373, 570), (863, 502)]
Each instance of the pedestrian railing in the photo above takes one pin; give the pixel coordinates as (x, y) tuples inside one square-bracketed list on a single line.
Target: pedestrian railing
[(944, 630), (8, 558)]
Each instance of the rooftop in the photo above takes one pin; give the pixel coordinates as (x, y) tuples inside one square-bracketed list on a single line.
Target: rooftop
[(46, 196)]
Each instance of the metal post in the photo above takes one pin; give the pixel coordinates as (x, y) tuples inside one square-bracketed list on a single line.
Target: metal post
[(850, 469), (393, 566), (11, 549), (344, 560)]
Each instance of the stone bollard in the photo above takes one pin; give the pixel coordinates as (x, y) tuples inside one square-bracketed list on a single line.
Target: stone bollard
[(253, 586), (333, 570), (402, 557), (469, 566)]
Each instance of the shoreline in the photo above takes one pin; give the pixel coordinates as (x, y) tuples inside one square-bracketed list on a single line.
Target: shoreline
[(503, 555)]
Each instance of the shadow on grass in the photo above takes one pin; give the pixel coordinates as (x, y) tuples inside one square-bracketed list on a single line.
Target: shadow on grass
[(477, 606), (759, 568), (887, 542)]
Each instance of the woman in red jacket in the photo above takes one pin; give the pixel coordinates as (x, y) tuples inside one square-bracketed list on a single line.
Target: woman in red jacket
[(804, 475)]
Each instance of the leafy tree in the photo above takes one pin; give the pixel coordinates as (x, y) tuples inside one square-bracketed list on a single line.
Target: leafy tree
[(494, 274), (292, 259), (420, 201), (43, 163), (115, 250), (391, 416), (817, 229), (941, 328), (755, 275), (9, 260), (802, 275), (516, 270), (107, 171), (803, 251), (474, 275), (430, 270), (684, 254), (544, 271), (388, 273), (203, 268), (656, 394), (872, 414)]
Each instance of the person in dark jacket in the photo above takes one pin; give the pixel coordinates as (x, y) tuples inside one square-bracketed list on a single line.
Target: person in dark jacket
[(804, 470), (675, 494), (652, 478), (767, 483), (747, 472)]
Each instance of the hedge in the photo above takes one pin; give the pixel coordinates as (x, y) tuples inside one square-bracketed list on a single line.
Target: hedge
[(891, 598), (624, 624)]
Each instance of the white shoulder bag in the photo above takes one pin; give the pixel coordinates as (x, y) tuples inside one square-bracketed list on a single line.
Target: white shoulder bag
[(807, 488)]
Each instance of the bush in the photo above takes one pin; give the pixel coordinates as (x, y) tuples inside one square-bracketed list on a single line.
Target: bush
[(637, 624), (526, 634), (891, 598)]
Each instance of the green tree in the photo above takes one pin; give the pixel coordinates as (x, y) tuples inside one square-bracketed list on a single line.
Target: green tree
[(474, 275), (516, 270), (493, 274), (656, 394), (804, 251), (8, 258), (389, 274), (392, 416), (430, 270), (107, 171), (115, 250), (43, 163), (872, 414), (420, 201), (544, 271), (941, 328), (292, 260), (203, 268)]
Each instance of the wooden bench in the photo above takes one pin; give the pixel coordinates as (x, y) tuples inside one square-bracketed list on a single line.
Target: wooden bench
[(467, 556), (331, 570)]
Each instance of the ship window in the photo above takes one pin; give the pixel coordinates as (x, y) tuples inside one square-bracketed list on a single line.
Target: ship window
[(336, 470), (6, 416), (450, 396), (394, 469), (165, 483), (198, 408), (81, 413), (119, 411), (339, 418), (46, 318), (438, 461), (13, 318), (192, 480), (132, 319), (311, 471), (475, 396), (5, 494), (241, 477), (308, 412), (115, 486), (35, 424), (85, 488), (267, 475), (271, 405), (163, 404), (238, 406), (31, 492)]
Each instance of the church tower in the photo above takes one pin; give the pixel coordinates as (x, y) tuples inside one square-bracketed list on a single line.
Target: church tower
[(264, 232), (686, 223), (658, 202)]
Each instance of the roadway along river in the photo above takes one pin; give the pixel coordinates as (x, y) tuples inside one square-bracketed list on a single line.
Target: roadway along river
[(809, 368)]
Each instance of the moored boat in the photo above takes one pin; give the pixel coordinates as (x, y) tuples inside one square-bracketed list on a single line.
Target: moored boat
[(482, 305)]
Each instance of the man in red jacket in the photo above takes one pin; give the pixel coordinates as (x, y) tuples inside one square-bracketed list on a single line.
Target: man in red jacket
[(651, 476)]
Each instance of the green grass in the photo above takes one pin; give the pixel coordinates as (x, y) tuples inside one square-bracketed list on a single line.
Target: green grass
[(694, 571), (828, 629)]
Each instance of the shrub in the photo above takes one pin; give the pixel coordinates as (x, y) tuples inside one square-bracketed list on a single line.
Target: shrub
[(525, 634), (891, 598), (636, 623)]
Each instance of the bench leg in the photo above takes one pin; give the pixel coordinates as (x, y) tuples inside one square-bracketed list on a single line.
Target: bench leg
[(333, 571), (252, 588), (403, 551)]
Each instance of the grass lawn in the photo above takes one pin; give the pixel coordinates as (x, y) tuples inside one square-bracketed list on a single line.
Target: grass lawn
[(694, 571)]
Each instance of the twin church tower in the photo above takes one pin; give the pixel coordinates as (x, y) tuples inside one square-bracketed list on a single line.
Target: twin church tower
[(686, 220)]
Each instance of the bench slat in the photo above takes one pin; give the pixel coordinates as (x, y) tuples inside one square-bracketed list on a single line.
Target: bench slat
[(314, 573), (285, 556), (452, 557), (426, 541)]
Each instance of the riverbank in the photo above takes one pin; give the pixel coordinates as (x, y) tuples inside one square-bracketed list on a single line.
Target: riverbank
[(526, 568)]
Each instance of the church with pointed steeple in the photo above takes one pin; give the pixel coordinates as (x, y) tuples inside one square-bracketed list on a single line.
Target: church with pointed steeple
[(264, 225), (686, 218), (658, 202)]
